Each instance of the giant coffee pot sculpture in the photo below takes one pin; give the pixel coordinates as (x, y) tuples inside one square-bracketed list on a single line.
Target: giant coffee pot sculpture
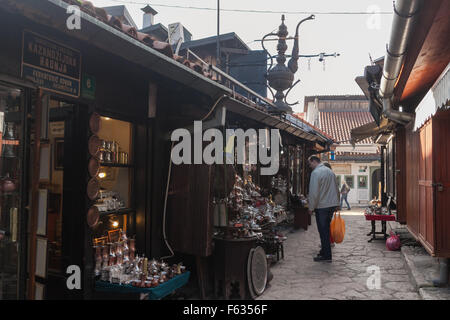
[(281, 77)]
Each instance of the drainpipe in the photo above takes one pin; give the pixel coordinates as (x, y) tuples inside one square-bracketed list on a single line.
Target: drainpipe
[(405, 12)]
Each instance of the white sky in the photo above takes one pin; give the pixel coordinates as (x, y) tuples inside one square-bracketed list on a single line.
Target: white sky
[(353, 36)]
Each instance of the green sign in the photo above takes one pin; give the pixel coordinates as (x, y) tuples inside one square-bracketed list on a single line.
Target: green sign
[(88, 87)]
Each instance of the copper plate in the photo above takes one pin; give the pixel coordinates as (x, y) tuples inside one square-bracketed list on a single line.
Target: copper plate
[(93, 189), (93, 167), (249, 274), (92, 216), (259, 270), (94, 145), (95, 122)]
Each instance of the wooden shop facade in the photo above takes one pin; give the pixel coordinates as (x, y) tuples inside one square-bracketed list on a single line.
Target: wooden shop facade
[(85, 155), (416, 153)]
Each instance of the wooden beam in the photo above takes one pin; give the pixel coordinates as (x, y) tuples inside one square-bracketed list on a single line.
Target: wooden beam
[(422, 28)]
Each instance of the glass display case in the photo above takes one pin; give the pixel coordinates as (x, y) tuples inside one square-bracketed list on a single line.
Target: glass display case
[(114, 180), (11, 170)]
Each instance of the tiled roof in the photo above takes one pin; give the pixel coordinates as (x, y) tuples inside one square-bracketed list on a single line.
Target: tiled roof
[(331, 97), (314, 127), (300, 115), (357, 156), (162, 47), (339, 123), (166, 49)]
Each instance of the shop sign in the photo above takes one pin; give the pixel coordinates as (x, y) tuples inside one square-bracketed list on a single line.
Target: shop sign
[(50, 65), (88, 87), (342, 168)]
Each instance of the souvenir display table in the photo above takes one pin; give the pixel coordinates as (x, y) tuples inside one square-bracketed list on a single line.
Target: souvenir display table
[(379, 217), (155, 293)]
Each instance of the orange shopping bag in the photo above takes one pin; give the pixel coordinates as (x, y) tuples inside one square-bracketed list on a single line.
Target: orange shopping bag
[(337, 227)]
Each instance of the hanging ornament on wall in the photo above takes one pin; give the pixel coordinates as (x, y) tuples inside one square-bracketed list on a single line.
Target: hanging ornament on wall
[(309, 64), (323, 62)]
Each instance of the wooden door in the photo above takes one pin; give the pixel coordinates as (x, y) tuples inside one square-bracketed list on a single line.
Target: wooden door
[(189, 209), (412, 180), (426, 189), (400, 175), (441, 154)]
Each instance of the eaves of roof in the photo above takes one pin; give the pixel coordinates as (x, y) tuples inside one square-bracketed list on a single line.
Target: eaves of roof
[(109, 35)]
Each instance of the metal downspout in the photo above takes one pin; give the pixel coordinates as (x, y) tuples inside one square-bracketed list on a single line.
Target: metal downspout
[(405, 12)]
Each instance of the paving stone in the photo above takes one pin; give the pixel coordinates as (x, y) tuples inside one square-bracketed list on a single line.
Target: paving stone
[(435, 293), (407, 296), (399, 286), (298, 277)]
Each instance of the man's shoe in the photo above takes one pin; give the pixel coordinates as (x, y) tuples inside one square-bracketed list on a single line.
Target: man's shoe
[(322, 259), (349, 209)]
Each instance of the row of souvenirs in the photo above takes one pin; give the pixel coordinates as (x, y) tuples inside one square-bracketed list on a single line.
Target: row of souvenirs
[(246, 212), (117, 263), (375, 208)]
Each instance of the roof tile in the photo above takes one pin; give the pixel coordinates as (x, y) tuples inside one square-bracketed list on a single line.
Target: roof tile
[(338, 124)]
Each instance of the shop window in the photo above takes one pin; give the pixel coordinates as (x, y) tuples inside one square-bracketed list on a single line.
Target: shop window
[(362, 182), (350, 180), (115, 178), (11, 143)]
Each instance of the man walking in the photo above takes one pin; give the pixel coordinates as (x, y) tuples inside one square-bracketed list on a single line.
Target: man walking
[(323, 198), (344, 193)]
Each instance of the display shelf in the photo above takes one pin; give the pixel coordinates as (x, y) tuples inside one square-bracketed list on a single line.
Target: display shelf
[(115, 165), (117, 212), (156, 293)]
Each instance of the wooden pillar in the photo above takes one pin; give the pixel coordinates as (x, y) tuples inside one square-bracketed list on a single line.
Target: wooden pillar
[(35, 196), (400, 174)]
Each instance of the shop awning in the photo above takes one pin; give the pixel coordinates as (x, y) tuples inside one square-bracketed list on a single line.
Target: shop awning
[(290, 124), (436, 98), (370, 130), (120, 44)]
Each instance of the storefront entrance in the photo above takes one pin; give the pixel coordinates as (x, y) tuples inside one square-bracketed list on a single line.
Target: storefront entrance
[(12, 190)]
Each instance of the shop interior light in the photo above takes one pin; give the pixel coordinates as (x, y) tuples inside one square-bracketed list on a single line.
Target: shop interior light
[(115, 224), (102, 175)]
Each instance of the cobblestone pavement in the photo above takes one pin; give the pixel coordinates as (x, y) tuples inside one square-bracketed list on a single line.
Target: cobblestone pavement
[(298, 277)]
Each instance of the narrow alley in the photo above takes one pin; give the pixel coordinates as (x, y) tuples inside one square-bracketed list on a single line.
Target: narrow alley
[(298, 277)]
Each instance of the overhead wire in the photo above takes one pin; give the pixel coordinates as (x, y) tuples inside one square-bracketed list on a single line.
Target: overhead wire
[(253, 10)]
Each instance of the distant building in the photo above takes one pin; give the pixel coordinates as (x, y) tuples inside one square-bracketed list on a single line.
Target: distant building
[(159, 31), (358, 165), (236, 58), (122, 14)]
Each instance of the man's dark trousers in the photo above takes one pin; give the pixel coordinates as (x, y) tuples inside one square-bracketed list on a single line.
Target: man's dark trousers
[(323, 219)]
